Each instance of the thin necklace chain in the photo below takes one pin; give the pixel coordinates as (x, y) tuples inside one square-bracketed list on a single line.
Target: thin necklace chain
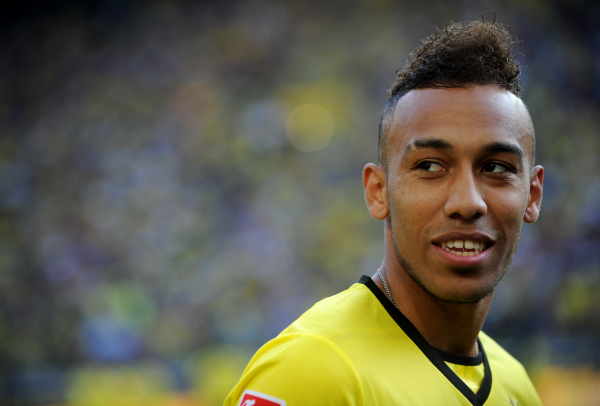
[(386, 288), (387, 291)]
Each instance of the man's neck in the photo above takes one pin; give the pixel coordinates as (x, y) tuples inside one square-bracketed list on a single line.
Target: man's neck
[(449, 326)]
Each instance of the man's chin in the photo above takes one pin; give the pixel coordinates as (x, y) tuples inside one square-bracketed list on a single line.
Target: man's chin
[(466, 297), (463, 287), (466, 292), (458, 285)]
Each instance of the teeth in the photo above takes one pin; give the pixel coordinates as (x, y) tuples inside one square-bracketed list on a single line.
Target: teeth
[(476, 246), (467, 244), (463, 253)]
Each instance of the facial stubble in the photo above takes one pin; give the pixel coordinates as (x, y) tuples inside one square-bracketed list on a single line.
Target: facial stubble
[(415, 275)]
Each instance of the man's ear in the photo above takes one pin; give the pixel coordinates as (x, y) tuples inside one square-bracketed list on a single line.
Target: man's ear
[(374, 181), (532, 211)]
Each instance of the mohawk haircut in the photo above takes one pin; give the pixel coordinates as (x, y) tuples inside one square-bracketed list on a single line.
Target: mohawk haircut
[(460, 55)]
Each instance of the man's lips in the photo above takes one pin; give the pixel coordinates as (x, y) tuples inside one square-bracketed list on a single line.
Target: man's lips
[(457, 246), (461, 235), (461, 260)]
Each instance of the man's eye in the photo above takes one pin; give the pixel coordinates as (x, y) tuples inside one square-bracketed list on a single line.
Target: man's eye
[(431, 167), (494, 167)]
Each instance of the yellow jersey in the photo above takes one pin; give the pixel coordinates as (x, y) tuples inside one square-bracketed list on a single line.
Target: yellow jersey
[(357, 349)]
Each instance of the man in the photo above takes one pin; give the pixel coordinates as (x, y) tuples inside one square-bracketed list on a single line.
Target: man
[(456, 181)]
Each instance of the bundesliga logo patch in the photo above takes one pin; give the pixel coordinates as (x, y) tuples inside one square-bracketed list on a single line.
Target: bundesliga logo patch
[(252, 398)]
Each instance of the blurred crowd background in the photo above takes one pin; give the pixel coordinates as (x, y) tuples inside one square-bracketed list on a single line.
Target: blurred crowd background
[(179, 180)]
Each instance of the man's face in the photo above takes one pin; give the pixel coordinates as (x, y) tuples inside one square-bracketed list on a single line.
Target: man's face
[(459, 180)]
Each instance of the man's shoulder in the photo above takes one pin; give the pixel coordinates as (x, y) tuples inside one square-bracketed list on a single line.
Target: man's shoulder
[(300, 368), (322, 357), (508, 372), (497, 354), (338, 314)]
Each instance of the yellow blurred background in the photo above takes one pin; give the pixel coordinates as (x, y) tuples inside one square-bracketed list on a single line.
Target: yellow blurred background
[(179, 180)]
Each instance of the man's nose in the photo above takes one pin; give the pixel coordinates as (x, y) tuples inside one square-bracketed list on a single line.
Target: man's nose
[(465, 198)]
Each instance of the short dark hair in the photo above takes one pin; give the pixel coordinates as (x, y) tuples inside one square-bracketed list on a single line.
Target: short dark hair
[(460, 55)]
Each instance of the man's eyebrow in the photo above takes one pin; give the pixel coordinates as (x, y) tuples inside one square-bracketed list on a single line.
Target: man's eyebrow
[(504, 147), (435, 143)]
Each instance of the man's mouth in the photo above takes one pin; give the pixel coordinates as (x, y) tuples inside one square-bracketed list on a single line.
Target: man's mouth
[(465, 248)]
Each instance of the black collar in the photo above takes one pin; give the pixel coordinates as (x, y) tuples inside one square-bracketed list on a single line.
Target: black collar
[(437, 356)]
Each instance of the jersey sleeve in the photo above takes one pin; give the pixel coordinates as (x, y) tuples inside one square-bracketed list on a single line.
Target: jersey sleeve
[(299, 369), (531, 397)]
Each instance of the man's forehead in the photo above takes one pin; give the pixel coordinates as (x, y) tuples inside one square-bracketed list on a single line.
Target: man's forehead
[(467, 112), (480, 103)]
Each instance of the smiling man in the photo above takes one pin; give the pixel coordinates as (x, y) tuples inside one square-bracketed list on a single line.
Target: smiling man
[(455, 183)]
